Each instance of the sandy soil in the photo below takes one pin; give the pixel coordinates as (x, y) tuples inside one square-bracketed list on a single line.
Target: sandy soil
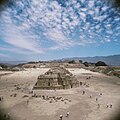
[(81, 107)]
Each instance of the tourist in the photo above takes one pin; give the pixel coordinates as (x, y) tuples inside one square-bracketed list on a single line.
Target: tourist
[(98, 105), (107, 106), (8, 116), (61, 116), (1, 98), (96, 99), (67, 114), (4, 116), (43, 97), (110, 105), (83, 92), (80, 83)]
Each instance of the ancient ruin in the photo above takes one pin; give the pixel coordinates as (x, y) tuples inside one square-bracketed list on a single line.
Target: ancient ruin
[(56, 78)]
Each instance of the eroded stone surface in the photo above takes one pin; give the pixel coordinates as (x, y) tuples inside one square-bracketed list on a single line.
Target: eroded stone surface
[(56, 78)]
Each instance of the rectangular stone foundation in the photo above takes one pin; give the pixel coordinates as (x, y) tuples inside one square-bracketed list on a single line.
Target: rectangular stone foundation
[(56, 78)]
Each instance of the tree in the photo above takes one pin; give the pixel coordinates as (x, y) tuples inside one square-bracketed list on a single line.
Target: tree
[(3, 66), (100, 63), (80, 61), (71, 62), (86, 64)]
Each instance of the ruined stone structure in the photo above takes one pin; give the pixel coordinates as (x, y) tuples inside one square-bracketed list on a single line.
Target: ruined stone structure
[(56, 78)]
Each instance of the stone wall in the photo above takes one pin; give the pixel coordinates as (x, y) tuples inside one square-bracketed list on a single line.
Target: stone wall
[(56, 78)]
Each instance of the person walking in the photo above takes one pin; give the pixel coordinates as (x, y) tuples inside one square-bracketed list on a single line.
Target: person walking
[(110, 105), (67, 115), (98, 105), (107, 106), (83, 92), (61, 116)]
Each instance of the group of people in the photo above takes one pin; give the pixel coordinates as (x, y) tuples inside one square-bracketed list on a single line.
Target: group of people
[(83, 92), (109, 105), (51, 98), (96, 99), (61, 116), (6, 116)]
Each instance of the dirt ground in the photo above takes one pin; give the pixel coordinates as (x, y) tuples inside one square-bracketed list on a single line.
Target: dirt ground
[(20, 104)]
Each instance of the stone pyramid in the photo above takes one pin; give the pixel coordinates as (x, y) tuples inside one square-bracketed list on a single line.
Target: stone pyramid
[(56, 78)]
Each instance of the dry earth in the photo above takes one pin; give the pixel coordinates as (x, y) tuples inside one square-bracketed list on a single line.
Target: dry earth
[(81, 107)]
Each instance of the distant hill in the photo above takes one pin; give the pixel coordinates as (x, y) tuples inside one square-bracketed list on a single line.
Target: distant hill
[(109, 60), (12, 62)]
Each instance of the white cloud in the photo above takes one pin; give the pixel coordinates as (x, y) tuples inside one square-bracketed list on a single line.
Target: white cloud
[(25, 30), (82, 1), (84, 9), (83, 16), (14, 37), (91, 12), (16, 50), (91, 3), (61, 41), (105, 8)]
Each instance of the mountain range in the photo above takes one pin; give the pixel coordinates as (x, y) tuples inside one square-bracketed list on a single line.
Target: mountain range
[(113, 60), (109, 60)]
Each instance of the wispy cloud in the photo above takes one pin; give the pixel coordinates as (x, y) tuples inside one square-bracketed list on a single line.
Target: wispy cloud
[(14, 36), (60, 40), (3, 55), (16, 50), (27, 25)]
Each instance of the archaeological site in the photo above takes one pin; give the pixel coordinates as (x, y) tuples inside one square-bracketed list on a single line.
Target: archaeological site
[(56, 78)]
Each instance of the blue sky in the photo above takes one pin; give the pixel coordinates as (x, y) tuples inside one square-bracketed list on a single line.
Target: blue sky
[(53, 29)]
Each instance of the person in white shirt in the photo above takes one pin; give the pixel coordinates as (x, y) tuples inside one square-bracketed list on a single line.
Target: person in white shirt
[(61, 116), (67, 114)]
